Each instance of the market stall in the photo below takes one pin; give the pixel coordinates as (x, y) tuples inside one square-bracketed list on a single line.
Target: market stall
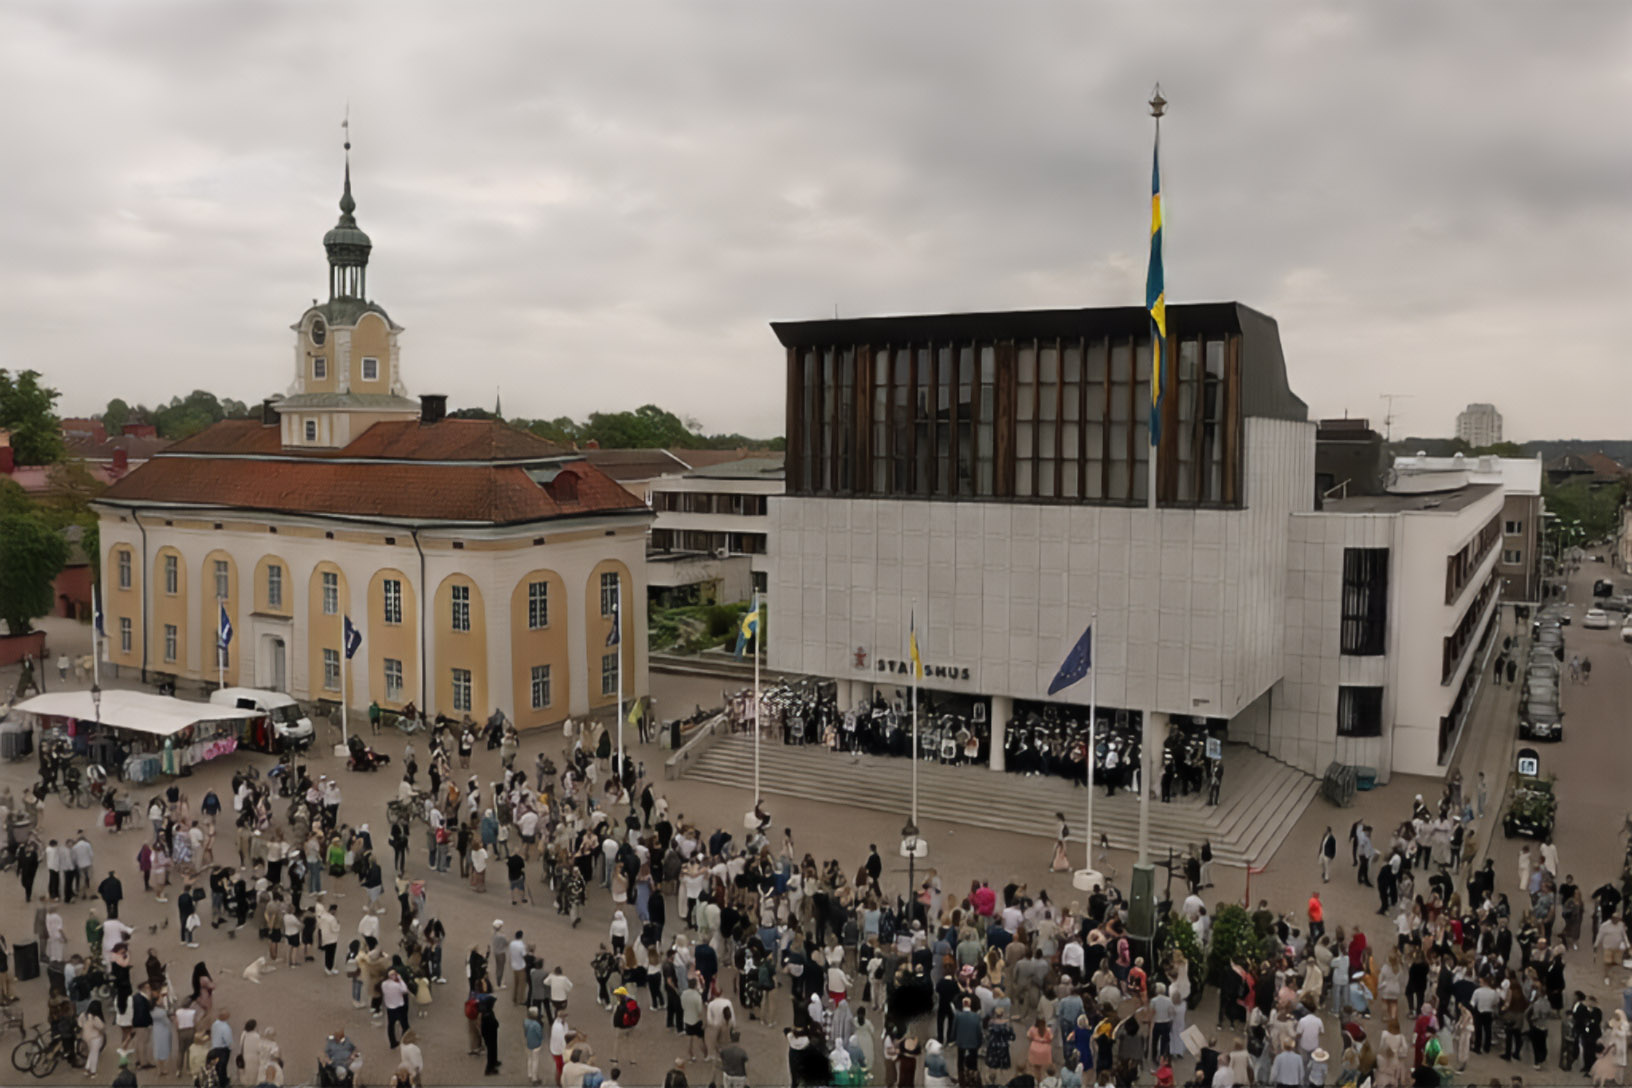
[(139, 736)]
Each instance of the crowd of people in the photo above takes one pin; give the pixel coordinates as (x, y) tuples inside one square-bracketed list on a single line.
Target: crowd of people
[(716, 932)]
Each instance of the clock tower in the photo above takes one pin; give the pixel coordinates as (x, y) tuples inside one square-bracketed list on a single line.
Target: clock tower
[(347, 376)]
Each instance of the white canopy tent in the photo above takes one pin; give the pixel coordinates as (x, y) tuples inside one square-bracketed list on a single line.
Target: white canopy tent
[(157, 715)]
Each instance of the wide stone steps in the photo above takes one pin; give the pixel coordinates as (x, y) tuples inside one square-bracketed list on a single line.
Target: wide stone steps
[(1261, 799)]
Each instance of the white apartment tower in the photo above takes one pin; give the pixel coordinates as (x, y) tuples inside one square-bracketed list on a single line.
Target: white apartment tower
[(1479, 425)]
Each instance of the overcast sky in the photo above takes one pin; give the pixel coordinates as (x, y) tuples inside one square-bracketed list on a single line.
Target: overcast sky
[(594, 206)]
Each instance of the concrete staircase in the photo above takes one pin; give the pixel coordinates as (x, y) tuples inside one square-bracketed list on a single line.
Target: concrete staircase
[(1258, 804)]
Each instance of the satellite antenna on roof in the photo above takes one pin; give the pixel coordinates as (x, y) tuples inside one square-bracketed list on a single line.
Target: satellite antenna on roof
[(1388, 418)]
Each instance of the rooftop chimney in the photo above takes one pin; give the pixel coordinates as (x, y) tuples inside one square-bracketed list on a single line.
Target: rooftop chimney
[(433, 407), (269, 414), (121, 460)]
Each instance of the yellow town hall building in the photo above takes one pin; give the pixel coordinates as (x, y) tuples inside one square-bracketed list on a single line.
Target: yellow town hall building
[(481, 565)]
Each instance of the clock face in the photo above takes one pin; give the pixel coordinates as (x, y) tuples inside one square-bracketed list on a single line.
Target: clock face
[(320, 331)]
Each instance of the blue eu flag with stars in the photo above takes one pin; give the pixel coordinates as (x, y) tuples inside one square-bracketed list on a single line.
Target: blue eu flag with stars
[(1077, 662)]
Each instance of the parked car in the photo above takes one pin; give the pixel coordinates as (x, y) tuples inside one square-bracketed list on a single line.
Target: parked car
[(1626, 632), (1540, 690), (1596, 619), (1531, 808), (1541, 720), (1603, 587)]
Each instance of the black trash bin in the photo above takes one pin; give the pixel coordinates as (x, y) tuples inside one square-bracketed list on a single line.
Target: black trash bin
[(25, 960)]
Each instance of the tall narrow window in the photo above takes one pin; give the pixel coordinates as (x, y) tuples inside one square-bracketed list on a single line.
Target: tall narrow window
[(541, 687), (331, 593), (392, 592), (459, 597), (274, 585), (609, 593), (1025, 420), (461, 690), (223, 580), (538, 605), (331, 670), (124, 634), (609, 674), (172, 575), (1359, 711), (371, 369), (124, 568), (320, 368), (1048, 420), (881, 420), (171, 640), (1365, 601), (311, 430), (393, 680)]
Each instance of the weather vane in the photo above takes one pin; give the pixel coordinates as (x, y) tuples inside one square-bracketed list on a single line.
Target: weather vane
[(1158, 104)]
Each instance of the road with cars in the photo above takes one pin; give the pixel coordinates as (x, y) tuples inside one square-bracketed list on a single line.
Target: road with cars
[(1593, 763)]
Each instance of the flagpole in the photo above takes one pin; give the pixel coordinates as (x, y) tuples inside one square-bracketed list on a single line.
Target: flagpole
[(619, 577), (220, 647), (758, 623), (96, 635), (345, 689), (1093, 736), (915, 753)]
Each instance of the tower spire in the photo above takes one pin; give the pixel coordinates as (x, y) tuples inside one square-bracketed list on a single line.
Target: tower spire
[(347, 204), (347, 245)]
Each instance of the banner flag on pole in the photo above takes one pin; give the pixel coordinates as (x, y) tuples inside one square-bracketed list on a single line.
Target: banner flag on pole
[(613, 637), (1156, 299), (749, 628), (351, 639), (912, 643), (223, 635), (1076, 664)]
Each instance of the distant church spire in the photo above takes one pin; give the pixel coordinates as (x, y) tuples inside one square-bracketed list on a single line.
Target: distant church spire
[(498, 404)]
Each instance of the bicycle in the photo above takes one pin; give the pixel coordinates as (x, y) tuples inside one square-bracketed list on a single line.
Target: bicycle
[(22, 1055), (46, 1053)]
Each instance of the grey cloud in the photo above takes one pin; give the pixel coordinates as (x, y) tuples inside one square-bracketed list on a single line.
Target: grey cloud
[(595, 207)]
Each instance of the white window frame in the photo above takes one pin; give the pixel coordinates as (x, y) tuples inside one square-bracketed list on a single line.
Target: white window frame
[(538, 605), (320, 368), (393, 680), (172, 575), (124, 568), (609, 591), (1513, 527), (461, 690), (609, 673), (459, 607), (274, 585), (541, 687), (1512, 556), (172, 639), (371, 369), (331, 669), (311, 430), (124, 634), (331, 593), (223, 580), (391, 591)]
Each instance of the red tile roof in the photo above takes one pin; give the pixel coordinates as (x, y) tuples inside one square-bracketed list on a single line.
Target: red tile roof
[(235, 436), (491, 494), (405, 440)]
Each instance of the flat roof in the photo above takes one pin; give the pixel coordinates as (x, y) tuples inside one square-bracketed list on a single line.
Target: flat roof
[(139, 711), (747, 468), (1445, 502)]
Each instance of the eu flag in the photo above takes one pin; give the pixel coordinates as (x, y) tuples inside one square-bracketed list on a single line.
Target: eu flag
[(1076, 664)]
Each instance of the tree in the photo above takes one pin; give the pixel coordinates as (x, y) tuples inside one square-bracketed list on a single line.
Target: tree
[(1594, 504), (1178, 935), (28, 411), (181, 418), (1233, 938), (1500, 449), (115, 416), (32, 554)]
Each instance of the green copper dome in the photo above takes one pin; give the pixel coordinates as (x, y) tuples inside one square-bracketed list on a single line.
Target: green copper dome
[(348, 247)]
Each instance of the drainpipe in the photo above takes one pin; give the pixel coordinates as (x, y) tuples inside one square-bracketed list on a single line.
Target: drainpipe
[(424, 605), (146, 575)]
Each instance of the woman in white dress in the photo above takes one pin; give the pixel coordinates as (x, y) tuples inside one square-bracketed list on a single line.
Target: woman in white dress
[(1060, 862)]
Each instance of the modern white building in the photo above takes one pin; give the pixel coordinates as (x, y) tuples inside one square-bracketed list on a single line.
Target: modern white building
[(984, 477), (1479, 425), (1520, 478), (719, 513), (1389, 608)]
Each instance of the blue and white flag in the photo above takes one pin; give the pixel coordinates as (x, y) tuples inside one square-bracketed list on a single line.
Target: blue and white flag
[(1077, 662), (615, 636), (223, 634), (351, 638), (96, 612)]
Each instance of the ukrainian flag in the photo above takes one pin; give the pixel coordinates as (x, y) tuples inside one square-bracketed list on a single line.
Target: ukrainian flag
[(1156, 298)]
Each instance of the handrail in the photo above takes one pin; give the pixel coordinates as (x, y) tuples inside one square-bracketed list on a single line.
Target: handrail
[(699, 743)]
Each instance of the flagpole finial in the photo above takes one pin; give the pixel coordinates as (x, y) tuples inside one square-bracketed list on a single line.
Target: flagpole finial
[(1158, 104)]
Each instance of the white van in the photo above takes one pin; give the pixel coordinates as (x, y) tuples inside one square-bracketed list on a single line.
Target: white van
[(293, 727)]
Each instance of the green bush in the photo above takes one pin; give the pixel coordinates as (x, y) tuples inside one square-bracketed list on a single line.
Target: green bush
[(1233, 936), (1178, 935)]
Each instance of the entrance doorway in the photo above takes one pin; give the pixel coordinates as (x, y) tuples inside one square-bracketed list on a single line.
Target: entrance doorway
[(277, 664)]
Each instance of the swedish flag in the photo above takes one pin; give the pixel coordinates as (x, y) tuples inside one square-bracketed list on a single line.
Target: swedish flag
[(1156, 297), (912, 643), (749, 628)]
